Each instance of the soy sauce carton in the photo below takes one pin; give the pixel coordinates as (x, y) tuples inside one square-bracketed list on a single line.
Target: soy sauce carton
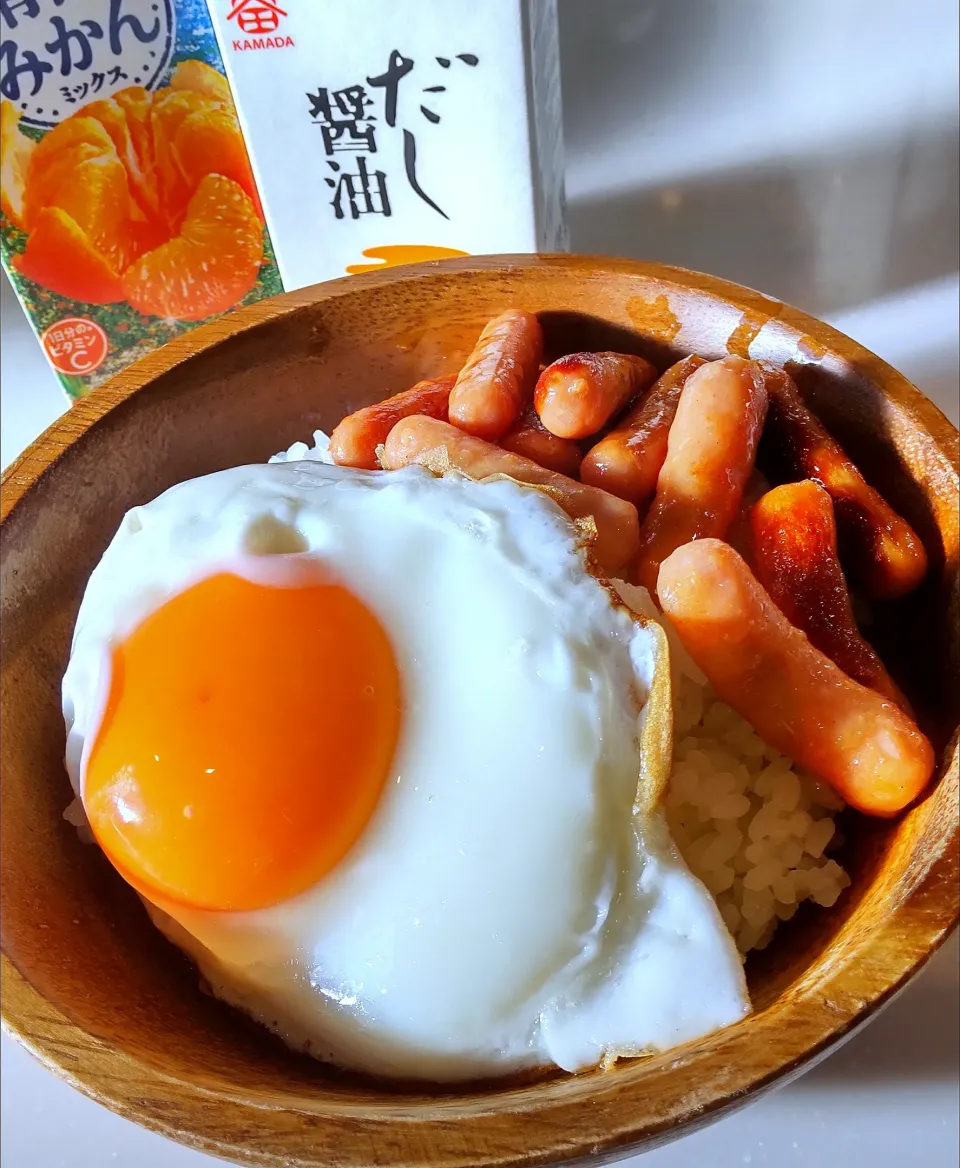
[(165, 161), (388, 131)]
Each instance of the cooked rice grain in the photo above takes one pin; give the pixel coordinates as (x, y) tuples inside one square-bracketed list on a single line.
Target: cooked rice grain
[(750, 825)]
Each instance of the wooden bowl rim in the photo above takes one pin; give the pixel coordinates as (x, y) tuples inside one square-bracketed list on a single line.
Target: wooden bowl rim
[(451, 1130)]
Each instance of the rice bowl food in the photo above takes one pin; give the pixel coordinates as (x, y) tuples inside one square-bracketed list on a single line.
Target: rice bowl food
[(753, 828), (467, 739)]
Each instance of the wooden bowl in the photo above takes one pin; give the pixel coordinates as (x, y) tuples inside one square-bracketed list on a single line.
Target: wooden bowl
[(95, 992)]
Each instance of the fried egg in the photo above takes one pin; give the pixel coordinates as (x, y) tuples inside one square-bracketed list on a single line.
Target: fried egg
[(368, 746)]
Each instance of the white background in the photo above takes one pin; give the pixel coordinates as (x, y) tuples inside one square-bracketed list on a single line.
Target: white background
[(806, 148)]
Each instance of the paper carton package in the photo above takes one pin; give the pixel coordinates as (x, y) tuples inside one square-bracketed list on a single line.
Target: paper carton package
[(388, 131), (165, 162)]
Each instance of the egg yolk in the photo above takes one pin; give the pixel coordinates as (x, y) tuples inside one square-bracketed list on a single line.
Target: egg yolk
[(246, 738)]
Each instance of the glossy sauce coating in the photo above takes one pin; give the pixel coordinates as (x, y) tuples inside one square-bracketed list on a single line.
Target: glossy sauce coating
[(794, 549), (793, 695), (530, 438), (355, 440), (429, 442), (880, 549), (740, 533), (577, 395), (627, 461), (498, 378), (710, 455)]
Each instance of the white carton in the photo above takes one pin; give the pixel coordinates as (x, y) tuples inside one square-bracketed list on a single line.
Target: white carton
[(387, 131)]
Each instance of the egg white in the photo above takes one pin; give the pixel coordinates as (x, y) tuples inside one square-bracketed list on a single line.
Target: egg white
[(505, 906)]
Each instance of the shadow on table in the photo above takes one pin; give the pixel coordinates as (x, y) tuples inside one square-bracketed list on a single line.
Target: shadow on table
[(824, 232)]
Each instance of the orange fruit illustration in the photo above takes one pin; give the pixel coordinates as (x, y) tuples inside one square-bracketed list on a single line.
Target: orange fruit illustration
[(99, 201), (16, 150), (210, 265), (170, 109), (76, 130), (199, 77), (131, 140), (214, 136), (135, 102), (144, 196), (46, 184), (61, 257)]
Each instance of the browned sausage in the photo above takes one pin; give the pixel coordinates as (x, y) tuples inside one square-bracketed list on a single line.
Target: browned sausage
[(577, 395), (794, 552), (710, 455), (627, 461), (881, 551), (427, 441), (355, 440), (498, 378), (793, 695), (530, 438)]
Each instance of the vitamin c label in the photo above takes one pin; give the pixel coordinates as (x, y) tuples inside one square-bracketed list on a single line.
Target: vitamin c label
[(75, 346)]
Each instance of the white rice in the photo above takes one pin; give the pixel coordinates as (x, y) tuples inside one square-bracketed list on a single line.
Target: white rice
[(301, 452), (754, 828)]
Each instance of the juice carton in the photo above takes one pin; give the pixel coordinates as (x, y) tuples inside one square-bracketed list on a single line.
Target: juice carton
[(130, 211), (165, 161)]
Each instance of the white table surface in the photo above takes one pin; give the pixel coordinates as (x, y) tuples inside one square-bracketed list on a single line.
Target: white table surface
[(806, 150)]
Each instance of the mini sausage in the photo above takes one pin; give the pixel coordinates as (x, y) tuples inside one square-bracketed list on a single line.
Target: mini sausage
[(577, 395), (422, 439), (498, 378), (793, 695), (879, 548), (530, 438), (794, 553), (627, 461), (710, 454), (355, 440)]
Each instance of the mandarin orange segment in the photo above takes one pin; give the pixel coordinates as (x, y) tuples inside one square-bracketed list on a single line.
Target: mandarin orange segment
[(46, 184), (169, 111), (136, 104), (199, 77), (75, 130), (210, 142), (16, 150), (210, 265), (99, 201), (113, 119), (128, 173), (130, 137), (60, 256)]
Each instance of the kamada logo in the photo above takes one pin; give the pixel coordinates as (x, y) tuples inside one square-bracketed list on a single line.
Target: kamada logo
[(258, 17)]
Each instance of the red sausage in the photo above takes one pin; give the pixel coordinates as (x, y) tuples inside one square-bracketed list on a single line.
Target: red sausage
[(793, 695), (498, 379), (530, 438), (438, 445), (627, 461), (794, 550), (355, 440), (883, 553), (710, 454), (577, 395)]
